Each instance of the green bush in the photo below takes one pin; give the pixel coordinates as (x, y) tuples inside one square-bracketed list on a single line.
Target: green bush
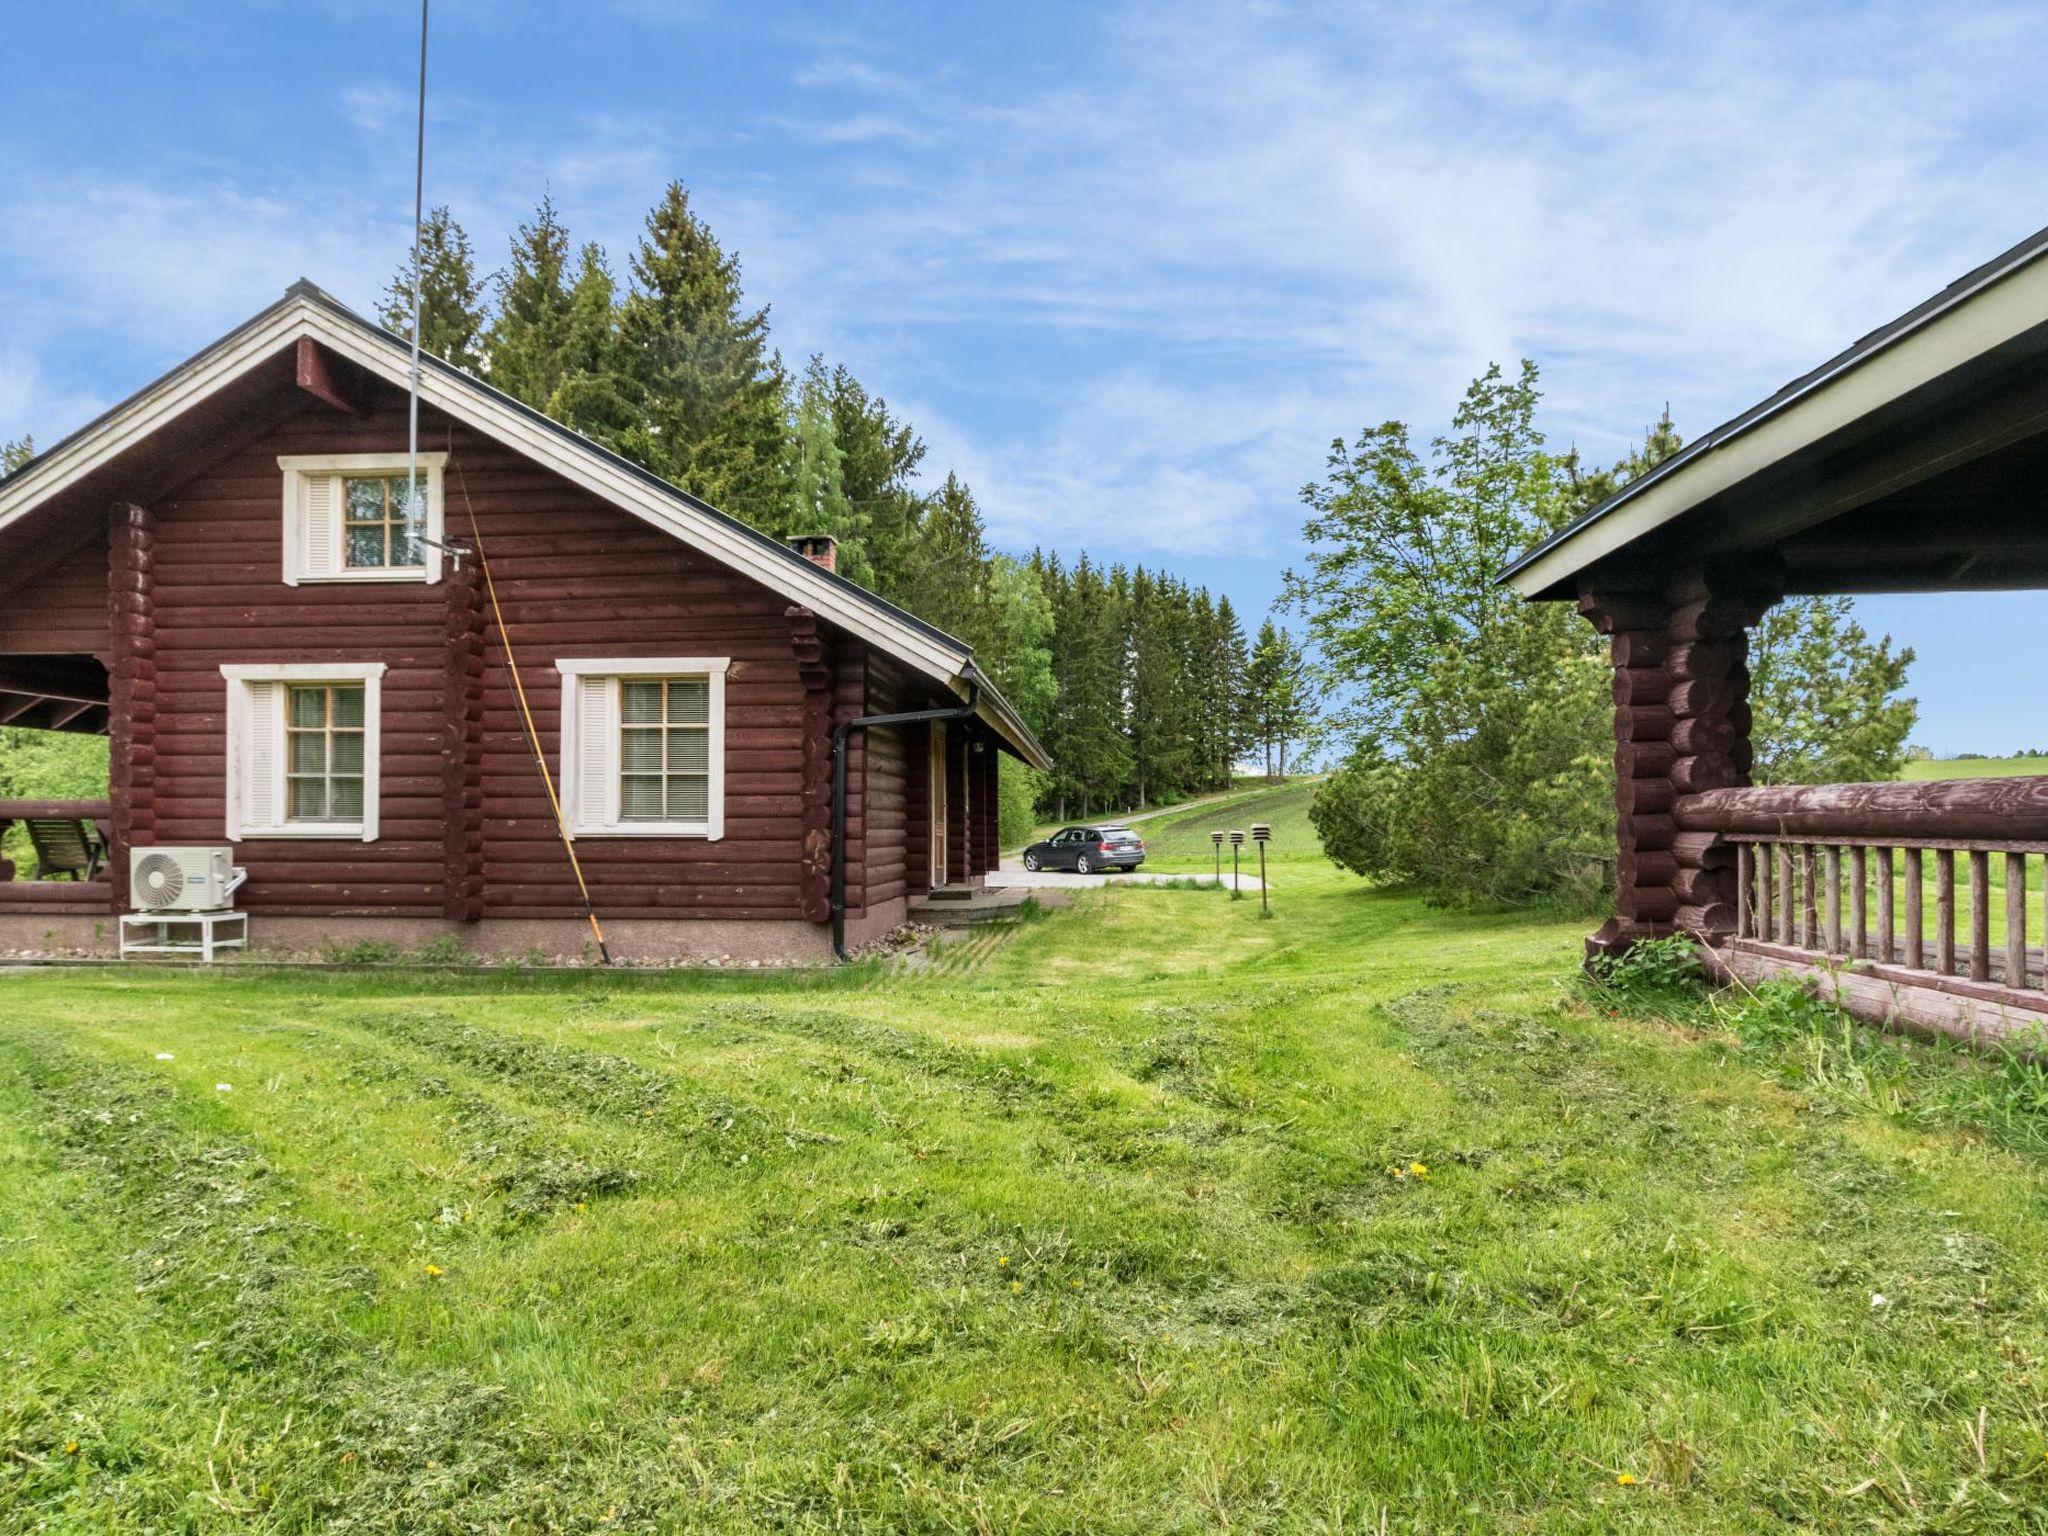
[(1018, 784)]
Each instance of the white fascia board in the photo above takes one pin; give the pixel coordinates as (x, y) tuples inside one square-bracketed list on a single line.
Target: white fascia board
[(236, 353), (1973, 325)]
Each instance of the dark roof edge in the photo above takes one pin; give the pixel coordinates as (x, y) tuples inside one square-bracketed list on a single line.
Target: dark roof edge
[(1865, 347)]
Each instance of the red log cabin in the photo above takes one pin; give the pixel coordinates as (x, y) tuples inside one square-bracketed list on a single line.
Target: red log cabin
[(223, 576)]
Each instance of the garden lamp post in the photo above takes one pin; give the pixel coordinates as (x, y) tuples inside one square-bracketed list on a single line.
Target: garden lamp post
[(1236, 885), (1217, 839), (1262, 834)]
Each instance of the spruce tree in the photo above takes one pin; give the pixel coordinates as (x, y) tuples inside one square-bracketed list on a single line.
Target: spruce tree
[(708, 391), (878, 457), (451, 297), (816, 478), (15, 454), (527, 345)]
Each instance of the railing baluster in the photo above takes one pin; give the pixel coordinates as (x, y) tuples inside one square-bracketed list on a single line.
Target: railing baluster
[(1859, 901), (1945, 911), (2015, 920), (1809, 899), (1788, 893), (1884, 905), (1743, 894), (1980, 915), (1766, 909), (1831, 859), (1916, 921)]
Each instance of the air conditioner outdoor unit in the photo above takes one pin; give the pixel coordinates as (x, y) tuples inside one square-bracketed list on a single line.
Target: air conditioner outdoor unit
[(182, 879)]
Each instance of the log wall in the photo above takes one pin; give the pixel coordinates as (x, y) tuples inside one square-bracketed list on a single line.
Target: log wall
[(1681, 726), (466, 827)]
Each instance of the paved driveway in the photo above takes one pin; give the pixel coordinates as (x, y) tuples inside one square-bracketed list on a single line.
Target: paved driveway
[(1014, 873)]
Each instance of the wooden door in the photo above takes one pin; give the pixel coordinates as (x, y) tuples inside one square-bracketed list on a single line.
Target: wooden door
[(937, 777)]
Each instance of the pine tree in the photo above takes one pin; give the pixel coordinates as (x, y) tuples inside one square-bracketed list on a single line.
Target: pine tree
[(451, 297), (709, 393), (527, 344), (15, 454)]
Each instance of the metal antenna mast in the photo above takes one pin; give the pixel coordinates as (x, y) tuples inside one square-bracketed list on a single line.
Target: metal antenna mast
[(414, 508)]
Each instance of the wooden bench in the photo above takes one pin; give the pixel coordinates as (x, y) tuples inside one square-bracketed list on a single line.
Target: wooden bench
[(70, 847)]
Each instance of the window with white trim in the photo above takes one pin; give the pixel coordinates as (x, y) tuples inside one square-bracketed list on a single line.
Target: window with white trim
[(303, 749), (350, 517), (643, 747)]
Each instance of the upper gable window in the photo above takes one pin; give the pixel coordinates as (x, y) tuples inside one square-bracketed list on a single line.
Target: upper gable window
[(347, 517)]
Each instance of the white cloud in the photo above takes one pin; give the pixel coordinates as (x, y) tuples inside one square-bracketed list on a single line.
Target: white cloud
[(34, 405)]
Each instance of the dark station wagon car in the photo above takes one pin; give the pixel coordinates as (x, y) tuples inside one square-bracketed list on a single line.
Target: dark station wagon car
[(1085, 850)]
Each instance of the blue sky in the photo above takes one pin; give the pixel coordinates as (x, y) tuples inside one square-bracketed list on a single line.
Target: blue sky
[(1129, 266)]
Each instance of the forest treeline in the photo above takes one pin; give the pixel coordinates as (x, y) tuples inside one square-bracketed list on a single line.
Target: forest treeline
[(1142, 686)]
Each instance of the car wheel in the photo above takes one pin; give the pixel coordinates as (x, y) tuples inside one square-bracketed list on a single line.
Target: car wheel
[(1031, 862), (1082, 866)]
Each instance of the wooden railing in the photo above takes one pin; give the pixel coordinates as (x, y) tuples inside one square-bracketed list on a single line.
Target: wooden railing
[(1912, 885)]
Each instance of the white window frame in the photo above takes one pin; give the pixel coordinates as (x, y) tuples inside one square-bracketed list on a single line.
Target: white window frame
[(241, 748), (608, 824), (299, 468)]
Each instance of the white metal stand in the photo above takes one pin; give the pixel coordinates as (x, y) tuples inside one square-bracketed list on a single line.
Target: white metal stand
[(215, 931)]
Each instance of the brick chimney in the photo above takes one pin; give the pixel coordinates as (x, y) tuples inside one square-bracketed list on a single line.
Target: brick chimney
[(818, 548)]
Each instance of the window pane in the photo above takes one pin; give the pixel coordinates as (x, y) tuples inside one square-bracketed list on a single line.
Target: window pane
[(689, 750), (309, 706), (308, 800), (406, 548), (364, 500), (640, 750), (346, 800), (308, 751), (348, 706), (689, 799), (366, 547), (640, 798), (640, 702), (689, 701), (348, 752)]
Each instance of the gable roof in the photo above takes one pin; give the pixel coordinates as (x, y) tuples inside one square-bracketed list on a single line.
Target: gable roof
[(307, 311), (1985, 308)]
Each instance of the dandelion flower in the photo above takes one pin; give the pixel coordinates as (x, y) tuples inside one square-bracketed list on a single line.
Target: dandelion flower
[(1420, 1170), (435, 1270), (1074, 1285), (1625, 1479), (1016, 1285), (71, 1448), (582, 1204)]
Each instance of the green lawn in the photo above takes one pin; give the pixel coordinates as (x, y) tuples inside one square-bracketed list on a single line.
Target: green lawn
[(1157, 1216)]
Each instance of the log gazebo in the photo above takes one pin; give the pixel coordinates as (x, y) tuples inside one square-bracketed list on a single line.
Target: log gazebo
[(1914, 461)]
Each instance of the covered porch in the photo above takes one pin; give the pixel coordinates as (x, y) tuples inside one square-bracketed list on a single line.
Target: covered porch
[(1915, 461)]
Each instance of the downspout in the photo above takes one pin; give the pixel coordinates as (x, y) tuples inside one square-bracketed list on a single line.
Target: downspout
[(840, 732)]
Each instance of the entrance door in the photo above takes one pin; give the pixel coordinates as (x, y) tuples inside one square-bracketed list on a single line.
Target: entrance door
[(936, 778)]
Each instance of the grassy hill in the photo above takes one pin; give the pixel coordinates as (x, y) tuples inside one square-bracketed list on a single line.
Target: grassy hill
[(1179, 839)]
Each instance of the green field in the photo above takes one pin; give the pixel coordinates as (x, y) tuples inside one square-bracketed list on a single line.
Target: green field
[(1152, 1216), (1973, 767)]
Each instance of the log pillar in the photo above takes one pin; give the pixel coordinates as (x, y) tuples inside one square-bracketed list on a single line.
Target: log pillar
[(814, 668), (131, 691), (1681, 724), (462, 721)]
